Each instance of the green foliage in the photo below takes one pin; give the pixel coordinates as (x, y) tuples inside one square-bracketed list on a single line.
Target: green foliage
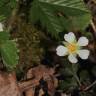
[(60, 15), (69, 84), (84, 76), (9, 55), (2, 18), (68, 70), (8, 48), (54, 15), (94, 71), (4, 36), (8, 51), (6, 7)]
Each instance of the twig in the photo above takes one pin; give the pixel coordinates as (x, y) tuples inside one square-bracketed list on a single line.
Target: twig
[(27, 84), (77, 79), (90, 86), (30, 91), (93, 25)]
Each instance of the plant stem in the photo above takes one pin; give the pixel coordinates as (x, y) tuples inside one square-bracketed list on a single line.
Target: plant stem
[(75, 75), (77, 79), (93, 25)]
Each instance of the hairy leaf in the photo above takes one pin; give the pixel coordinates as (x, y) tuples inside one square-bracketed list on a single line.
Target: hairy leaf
[(58, 15), (47, 17)]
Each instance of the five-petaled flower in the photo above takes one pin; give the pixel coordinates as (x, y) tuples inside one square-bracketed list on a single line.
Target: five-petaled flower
[(73, 48)]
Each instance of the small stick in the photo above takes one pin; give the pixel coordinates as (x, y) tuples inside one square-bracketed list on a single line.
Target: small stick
[(90, 86), (93, 25), (24, 85), (30, 91)]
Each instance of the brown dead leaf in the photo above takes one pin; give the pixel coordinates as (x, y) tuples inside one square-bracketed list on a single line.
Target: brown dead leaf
[(8, 85), (41, 92), (39, 72), (30, 91)]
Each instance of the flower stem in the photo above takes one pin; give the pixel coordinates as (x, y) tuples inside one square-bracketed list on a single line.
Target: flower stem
[(75, 75), (77, 79)]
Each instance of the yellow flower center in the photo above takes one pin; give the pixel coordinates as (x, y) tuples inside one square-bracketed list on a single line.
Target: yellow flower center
[(72, 48)]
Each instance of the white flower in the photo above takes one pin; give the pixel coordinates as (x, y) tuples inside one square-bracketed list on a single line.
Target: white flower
[(1, 27), (73, 48)]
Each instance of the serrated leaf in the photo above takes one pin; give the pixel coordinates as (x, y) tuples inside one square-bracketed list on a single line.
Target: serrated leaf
[(46, 16), (9, 54), (47, 10)]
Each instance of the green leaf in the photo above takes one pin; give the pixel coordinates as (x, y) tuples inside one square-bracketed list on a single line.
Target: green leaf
[(6, 7), (69, 83), (84, 77), (46, 15), (80, 23), (66, 72), (4, 36), (9, 54), (52, 15), (2, 18)]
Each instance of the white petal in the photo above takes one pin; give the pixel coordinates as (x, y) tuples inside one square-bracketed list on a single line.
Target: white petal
[(1, 27), (83, 41), (72, 58), (61, 50), (83, 54), (70, 37)]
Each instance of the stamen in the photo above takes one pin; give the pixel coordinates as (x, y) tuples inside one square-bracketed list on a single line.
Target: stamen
[(72, 48)]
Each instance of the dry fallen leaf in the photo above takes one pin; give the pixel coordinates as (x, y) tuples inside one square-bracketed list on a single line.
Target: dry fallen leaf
[(47, 74), (41, 92), (8, 85)]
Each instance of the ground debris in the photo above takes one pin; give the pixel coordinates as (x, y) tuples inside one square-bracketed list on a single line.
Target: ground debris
[(8, 85)]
